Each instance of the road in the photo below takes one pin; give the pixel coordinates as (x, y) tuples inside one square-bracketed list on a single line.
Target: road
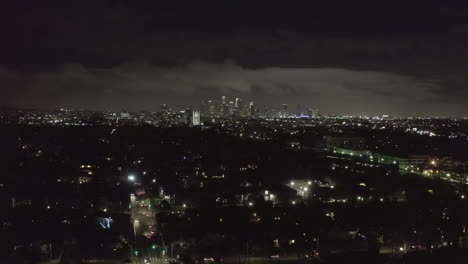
[(147, 246)]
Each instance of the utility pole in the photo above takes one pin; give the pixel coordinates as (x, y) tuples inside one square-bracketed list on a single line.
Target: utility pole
[(248, 253), (172, 250)]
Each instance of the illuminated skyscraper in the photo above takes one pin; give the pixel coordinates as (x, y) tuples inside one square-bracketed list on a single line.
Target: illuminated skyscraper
[(196, 118), (299, 110), (211, 108), (252, 109), (284, 111), (231, 108), (313, 113)]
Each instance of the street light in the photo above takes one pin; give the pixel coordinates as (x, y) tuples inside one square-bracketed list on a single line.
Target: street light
[(131, 177)]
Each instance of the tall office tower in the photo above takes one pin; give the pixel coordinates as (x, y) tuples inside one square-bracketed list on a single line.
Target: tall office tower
[(223, 100), (284, 111), (299, 110), (196, 118), (231, 108), (236, 104), (315, 113), (211, 108), (224, 110), (251, 109)]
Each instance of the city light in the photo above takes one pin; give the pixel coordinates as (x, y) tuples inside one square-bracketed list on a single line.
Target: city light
[(204, 185)]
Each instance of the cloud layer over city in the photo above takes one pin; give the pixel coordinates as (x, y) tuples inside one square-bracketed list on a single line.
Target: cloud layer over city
[(126, 55)]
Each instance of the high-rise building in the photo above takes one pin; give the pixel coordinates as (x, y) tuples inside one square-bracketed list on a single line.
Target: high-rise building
[(284, 111), (236, 104), (315, 113), (196, 118), (231, 108), (223, 100), (211, 108), (251, 109), (299, 110)]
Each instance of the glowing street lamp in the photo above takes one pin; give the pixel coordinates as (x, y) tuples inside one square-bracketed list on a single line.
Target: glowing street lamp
[(131, 177)]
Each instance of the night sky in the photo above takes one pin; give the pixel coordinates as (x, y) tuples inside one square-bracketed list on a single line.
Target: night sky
[(376, 57)]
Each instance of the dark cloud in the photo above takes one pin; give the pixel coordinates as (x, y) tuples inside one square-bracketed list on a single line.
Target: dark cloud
[(354, 57), (143, 86)]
